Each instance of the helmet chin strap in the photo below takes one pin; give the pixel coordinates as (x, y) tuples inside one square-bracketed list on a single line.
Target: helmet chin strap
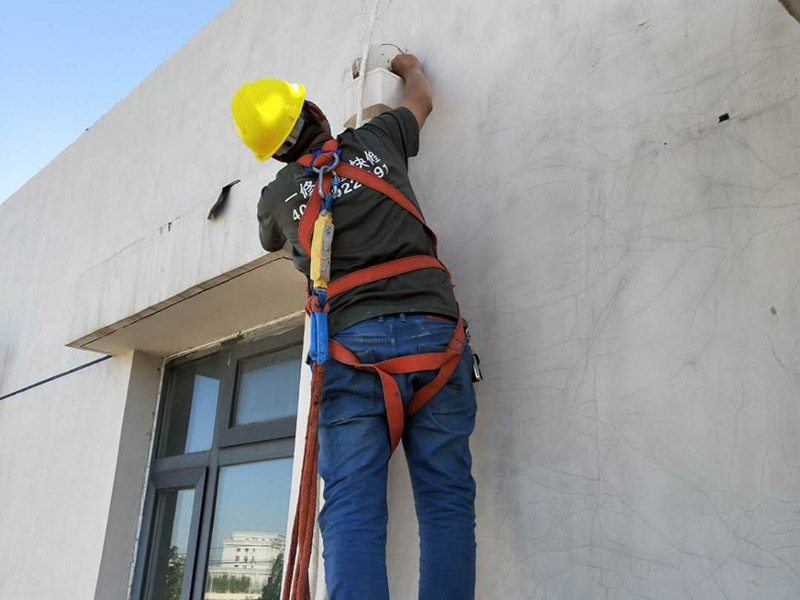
[(293, 136)]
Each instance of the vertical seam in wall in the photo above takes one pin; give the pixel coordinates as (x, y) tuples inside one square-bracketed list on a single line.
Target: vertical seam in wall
[(145, 481)]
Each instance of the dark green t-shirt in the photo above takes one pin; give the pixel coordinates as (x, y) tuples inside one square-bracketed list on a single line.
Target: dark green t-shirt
[(370, 228)]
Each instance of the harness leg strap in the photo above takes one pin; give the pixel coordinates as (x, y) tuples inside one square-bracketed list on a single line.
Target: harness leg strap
[(428, 391), (444, 363), (394, 407)]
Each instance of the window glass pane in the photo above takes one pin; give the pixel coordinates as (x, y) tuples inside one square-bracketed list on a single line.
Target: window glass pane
[(249, 531), (169, 544), (191, 408), (267, 386)]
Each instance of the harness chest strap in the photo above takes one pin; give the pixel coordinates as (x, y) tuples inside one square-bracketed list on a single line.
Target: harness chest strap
[(445, 362), (306, 227)]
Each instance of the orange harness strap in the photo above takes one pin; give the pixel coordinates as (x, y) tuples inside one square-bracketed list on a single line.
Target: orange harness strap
[(396, 413), (306, 226), (296, 585), (383, 271)]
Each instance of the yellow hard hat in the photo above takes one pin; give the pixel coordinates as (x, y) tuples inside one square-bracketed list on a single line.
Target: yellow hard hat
[(267, 112)]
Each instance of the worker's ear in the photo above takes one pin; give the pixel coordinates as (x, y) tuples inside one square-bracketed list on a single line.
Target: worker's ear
[(317, 113)]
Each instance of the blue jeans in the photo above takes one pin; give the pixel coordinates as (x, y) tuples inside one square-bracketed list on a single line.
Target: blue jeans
[(354, 457)]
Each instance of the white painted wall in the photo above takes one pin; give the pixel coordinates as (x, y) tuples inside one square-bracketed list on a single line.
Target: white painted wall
[(629, 266), (58, 454)]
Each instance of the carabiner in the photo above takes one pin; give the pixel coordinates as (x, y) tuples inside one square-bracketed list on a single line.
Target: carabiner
[(316, 154), (326, 169)]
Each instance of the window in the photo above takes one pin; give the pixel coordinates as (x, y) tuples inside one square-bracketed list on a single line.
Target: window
[(221, 474)]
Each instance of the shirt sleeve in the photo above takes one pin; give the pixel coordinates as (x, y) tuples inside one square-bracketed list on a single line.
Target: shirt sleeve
[(400, 127), (272, 238)]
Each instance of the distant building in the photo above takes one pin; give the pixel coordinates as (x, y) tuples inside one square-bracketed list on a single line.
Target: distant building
[(244, 554)]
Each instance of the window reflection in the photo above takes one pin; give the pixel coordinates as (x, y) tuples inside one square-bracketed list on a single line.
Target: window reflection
[(191, 408), (249, 531), (201, 416), (267, 386), (169, 544)]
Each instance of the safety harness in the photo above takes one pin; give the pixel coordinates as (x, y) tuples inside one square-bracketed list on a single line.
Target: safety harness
[(316, 237)]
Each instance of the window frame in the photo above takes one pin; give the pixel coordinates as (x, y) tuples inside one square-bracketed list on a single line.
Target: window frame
[(232, 435), (180, 479), (230, 445)]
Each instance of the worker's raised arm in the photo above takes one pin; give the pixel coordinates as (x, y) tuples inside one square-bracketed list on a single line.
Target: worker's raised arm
[(417, 91)]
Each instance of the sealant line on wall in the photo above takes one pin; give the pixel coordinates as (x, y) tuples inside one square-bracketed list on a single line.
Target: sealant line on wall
[(367, 25), (241, 334), (54, 377), (145, 480)]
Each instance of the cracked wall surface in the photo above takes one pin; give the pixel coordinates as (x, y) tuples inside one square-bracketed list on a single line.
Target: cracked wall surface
[(629, 263)]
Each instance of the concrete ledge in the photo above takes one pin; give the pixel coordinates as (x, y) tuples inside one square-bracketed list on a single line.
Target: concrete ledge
[(186, 283), (253, 294)]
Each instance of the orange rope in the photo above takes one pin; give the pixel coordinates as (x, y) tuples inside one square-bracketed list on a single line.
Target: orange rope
[(296, 584)]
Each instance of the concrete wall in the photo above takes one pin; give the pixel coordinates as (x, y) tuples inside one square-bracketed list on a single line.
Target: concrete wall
[(58, 454), (628, 263), (129, 476)]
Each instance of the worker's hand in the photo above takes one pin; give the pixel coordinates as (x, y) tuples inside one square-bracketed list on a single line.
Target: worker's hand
[(403, 64), (417, 95)]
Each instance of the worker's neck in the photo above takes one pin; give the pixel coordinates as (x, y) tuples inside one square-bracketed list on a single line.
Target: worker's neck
[(316, 143), (317, 138), (323, 137)]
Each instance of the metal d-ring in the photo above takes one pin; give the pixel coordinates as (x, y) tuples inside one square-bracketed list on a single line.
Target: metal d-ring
[(321, 171)]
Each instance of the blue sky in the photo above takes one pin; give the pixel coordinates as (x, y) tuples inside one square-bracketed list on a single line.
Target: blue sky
[(65, 63)]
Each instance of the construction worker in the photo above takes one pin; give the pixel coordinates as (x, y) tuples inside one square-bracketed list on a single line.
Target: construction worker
[(413, 313)]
